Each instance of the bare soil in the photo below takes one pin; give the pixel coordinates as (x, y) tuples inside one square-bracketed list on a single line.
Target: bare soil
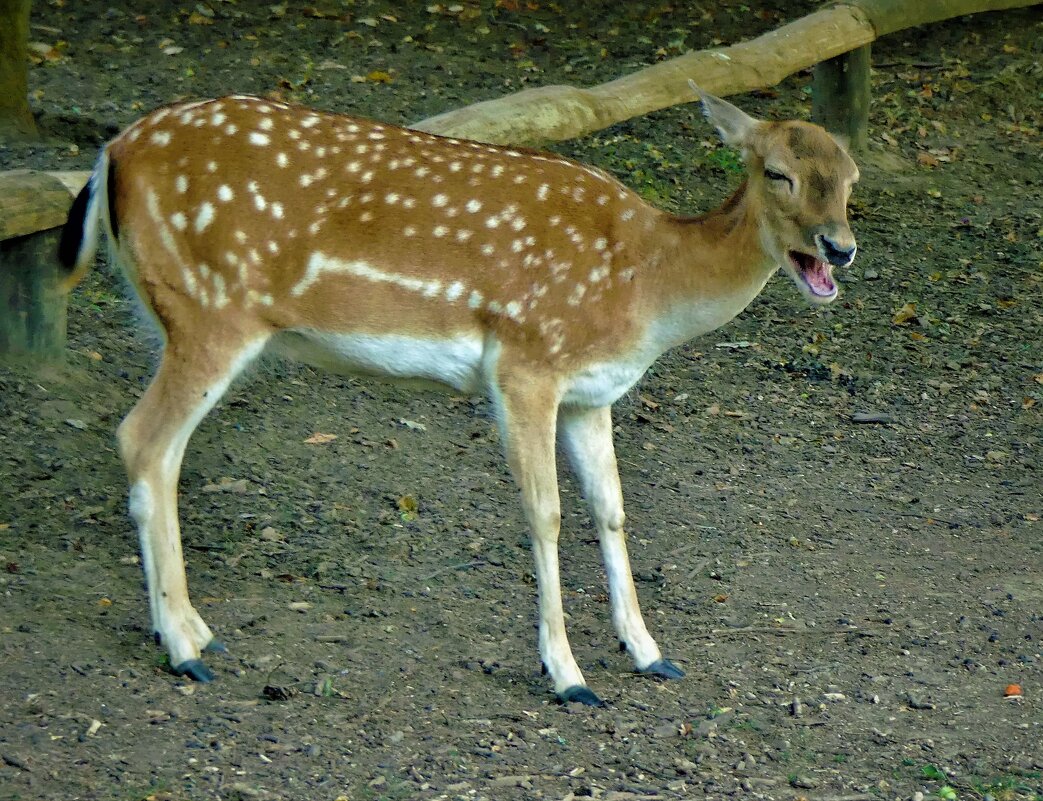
[(850, 599)]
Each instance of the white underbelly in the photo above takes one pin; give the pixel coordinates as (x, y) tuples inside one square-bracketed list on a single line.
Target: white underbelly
[(603, 383), (455, 362)]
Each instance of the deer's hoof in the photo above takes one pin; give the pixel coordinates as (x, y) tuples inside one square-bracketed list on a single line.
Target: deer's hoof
[(580, 695), (195, 670), (662, 669)]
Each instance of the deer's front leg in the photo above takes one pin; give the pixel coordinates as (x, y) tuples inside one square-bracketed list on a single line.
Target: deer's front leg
[(528, 412), (587, 437)]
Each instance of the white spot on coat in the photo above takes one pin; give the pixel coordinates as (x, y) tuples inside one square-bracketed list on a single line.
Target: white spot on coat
[(204, 216)]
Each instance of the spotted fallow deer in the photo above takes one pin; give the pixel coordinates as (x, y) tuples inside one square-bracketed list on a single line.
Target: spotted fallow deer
[(248, 225)]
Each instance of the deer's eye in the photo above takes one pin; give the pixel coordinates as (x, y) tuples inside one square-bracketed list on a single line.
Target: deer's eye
[(775, 175)]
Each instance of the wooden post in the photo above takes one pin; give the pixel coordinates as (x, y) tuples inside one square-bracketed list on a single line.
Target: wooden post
[(33, 207), (840, 96)]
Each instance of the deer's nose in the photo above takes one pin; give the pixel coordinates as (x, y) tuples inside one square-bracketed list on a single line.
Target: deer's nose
[(836, 254)]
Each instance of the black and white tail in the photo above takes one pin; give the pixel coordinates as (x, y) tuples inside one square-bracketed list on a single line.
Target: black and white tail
[(79, 240)]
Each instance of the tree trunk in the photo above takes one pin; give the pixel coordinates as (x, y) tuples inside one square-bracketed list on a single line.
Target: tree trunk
[(16, 120)]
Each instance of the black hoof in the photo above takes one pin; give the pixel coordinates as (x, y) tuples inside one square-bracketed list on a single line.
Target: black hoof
[(195, 670), (662, 669), (580, 695), (216, 647)]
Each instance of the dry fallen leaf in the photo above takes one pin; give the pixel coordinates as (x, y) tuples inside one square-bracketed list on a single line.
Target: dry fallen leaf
[(409, 507), (318, 13), (927, 160), (226, 484), (320, 439), (905, 315), (41, 51)]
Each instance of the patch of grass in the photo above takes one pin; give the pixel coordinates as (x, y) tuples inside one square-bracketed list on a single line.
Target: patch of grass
[(1003, 788), (1007, 788), (156, 791), (100, 299), (726, 159), (392, 791), (933, 773)]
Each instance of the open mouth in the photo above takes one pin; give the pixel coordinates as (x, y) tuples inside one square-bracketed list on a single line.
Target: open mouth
[(815, 273)]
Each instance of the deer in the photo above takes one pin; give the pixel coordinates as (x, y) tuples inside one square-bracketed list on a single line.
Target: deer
[(248, 225)]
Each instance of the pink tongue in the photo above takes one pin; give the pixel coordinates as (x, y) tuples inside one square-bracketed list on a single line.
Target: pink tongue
[(817, 275)]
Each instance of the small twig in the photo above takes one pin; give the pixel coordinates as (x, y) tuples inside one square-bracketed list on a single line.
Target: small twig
[(451, 568), (773, 630), (923, 65), (855, 797), (908, 514), (495, 20), (754, 630), (928, 517), (697, 569), (690, 546), (16, 762)]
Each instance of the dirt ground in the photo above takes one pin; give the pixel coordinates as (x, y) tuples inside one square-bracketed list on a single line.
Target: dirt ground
[(850, 599)]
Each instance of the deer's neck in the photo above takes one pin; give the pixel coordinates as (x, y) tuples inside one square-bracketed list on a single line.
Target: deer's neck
[(706, 270)]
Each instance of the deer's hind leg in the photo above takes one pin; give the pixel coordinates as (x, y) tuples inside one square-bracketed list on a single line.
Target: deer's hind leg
[(191, 378)]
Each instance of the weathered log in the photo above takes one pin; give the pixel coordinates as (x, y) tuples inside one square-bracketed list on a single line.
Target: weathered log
[(840, 96), (553, 113), (33, 206), (33, 201)]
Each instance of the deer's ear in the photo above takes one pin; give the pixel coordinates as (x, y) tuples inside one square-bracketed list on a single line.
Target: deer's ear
[(732, 123)]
